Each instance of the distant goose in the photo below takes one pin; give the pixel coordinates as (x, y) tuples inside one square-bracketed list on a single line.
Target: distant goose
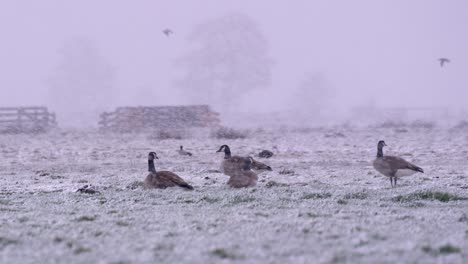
[(184, 152), (162, 179), (443, 61), (393, 167), (167, 32), (244, 177), (87, 189), (265, 154), (230, 164)]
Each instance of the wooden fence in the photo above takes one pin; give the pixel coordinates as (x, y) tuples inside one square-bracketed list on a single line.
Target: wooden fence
[(26, 120), (134, 119)]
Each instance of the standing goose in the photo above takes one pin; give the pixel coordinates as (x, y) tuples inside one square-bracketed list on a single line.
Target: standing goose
[(393, 167), (184, 152), (162, 179), (245, 177), (231, 164)]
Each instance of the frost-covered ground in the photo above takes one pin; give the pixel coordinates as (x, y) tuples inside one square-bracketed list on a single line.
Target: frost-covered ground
[(323, 203)]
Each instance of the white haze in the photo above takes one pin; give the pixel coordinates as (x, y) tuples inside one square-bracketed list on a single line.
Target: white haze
[(377, 53)]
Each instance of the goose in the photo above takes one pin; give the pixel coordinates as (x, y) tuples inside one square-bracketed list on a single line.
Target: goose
[(265, 154), (442, 61), (393, 167), (245, 177), (230, 164), (162, 179), (184, 152)]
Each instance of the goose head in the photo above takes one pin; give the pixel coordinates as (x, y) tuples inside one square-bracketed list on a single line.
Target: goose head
[(381, 144), (152, 155)]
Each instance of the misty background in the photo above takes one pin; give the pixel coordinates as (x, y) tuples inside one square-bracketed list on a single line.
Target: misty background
[(301, 60)]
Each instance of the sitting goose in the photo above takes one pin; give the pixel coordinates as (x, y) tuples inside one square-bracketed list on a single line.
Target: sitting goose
[(231, 164), (245, 177), (162, 179), (184, 152), (392, 166)]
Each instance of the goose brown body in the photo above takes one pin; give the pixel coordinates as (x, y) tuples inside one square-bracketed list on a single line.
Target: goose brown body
[(162, 179), (165, 179), (244, 177), (232, 165)]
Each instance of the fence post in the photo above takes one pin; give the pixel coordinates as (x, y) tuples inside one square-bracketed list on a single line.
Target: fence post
[(18, 118)]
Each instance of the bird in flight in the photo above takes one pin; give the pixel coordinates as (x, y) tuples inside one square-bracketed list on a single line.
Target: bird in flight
[(167, 32), (443, 61)]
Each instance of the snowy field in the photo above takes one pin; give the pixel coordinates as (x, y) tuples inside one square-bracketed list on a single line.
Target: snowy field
[(322, 203)]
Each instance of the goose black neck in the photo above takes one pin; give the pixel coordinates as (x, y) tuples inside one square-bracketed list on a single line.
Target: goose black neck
[(151, 167), (227, 152), (379, 151), (247, 165)]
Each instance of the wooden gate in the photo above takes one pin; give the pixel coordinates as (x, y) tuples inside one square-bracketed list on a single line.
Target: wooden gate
[(26, 119)]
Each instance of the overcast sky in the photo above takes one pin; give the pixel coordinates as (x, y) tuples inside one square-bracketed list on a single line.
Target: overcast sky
[(370, 50)]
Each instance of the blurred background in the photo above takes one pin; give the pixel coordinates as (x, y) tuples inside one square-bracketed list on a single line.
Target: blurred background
[(301, 62)]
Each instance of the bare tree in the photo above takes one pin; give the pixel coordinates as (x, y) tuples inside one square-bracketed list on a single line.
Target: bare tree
[(81, 86), (229, 59)]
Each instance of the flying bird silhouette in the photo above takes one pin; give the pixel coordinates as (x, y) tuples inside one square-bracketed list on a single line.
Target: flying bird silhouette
[(168, 32), (443, 61)]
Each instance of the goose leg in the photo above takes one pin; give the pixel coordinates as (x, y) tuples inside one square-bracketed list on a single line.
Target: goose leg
[(395, 179), (391, 181)]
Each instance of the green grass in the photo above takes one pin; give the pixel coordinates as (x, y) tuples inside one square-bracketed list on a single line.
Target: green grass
[(442, 250), (271, 184), (429, 195), (242, 199), (210, 200), (358, 195), (86, 218), (81, 249), (316, 196), (449, 249), (4, 242), (224, 254), (341, 201)]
